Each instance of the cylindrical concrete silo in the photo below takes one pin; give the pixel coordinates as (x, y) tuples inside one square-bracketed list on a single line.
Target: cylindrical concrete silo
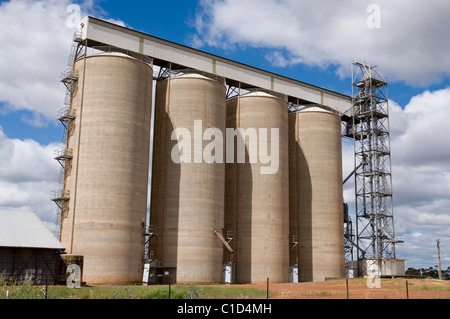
[(257, 204), (187, 203), (108, 177), (316, 175)]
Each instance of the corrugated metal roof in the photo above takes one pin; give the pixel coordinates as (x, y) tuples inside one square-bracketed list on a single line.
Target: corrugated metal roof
[(25, 229)]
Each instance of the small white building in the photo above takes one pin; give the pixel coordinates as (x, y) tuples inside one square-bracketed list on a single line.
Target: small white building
[(370, 267)]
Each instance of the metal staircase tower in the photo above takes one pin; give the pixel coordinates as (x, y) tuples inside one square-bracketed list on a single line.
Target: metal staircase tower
[(375, 238), (64, 155)]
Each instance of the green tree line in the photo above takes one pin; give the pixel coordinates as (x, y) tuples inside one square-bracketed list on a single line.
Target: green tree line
[(431, 272)]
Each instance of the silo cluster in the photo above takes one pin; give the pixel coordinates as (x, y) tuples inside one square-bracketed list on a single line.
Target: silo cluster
[(233, 180), (257, 207)]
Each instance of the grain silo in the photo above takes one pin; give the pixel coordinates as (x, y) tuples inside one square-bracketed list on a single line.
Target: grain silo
[(316, 202), (108, 174), (187, 203), (256, 208)]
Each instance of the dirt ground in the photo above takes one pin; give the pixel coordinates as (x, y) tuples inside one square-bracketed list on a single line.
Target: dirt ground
[(389, 288)]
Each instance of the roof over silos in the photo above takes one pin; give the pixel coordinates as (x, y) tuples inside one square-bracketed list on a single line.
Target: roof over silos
[(24, 229), (98, 33)]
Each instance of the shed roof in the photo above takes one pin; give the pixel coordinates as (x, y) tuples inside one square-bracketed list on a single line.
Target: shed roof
[(25, 229)]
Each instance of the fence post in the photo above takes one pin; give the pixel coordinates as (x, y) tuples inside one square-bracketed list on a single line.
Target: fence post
[(407, 293), (346, 284)]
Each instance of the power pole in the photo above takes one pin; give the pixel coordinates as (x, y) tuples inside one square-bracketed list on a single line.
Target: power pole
[(439, 260)]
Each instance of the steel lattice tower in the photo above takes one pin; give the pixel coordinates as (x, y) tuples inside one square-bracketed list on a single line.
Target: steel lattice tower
[(375, 237)]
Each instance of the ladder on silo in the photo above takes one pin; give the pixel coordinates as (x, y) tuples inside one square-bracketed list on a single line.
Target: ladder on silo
[(65, 116), (76, 48)]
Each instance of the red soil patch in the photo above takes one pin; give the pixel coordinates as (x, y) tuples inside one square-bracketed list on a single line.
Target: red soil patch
[(389, 288)]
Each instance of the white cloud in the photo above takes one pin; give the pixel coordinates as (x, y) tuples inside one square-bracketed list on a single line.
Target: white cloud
[(26, 160), (421, 158), (424, 143), (28, 175), (409, 44), (36, 39), (35, 49)]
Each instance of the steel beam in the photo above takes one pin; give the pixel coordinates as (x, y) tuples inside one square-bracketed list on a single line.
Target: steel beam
[(98, 33)]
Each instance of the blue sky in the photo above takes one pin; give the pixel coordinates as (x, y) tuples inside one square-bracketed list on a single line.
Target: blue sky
[(314, 42)]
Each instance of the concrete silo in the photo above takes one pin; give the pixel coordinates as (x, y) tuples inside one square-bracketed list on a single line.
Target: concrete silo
[(316, 202), (108, 175), (187, 203), (256, 208)]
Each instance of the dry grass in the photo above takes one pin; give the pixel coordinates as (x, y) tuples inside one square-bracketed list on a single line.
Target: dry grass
[(390, 288)]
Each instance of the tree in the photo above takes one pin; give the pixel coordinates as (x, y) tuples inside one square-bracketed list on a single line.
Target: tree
[(412, 272)]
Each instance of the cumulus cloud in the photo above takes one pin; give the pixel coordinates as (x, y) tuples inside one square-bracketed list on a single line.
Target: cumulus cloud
[(409, 42), (36, 44), (36, 40), (426, 135), (420, 153), (421, 175), (28, 175)]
